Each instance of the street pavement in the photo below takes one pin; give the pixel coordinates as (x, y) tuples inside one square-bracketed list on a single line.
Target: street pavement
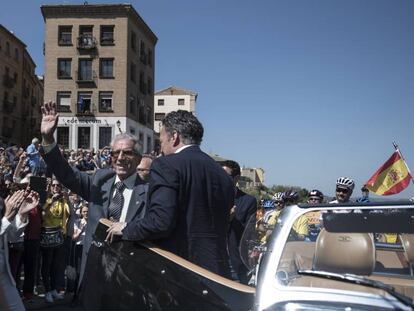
[(39, 303)]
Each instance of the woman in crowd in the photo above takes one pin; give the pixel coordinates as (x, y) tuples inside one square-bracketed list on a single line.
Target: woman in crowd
[(55, 216), (13, 213), (79, 234)]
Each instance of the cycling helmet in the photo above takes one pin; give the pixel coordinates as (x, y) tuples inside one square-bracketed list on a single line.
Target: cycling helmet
[(316, 194), (291, 196), (268, 204), (345, 182), (278, 196)]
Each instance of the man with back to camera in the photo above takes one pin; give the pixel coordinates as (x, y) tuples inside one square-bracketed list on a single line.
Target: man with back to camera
[(244, 207), (117, 193), (189, 198)]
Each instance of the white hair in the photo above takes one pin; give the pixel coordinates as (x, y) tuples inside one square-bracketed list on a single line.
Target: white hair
[(137, 144)]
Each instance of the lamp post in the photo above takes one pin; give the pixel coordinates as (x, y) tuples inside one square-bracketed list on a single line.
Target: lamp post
[(118, 124)]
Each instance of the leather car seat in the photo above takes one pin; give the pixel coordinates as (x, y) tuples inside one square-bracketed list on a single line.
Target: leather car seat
[(407, 241), (344, 253)]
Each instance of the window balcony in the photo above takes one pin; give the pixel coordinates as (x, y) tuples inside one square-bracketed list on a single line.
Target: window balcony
[(86, 42), (86, 76), (84, 109)]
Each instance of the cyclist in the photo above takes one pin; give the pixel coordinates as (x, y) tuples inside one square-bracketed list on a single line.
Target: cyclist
[(314, 218), (344, 188)]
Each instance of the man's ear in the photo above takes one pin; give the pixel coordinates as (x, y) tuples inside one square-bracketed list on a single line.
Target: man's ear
[(175, 138)]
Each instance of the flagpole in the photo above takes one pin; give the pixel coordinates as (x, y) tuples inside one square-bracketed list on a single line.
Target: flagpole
[(402, 157)]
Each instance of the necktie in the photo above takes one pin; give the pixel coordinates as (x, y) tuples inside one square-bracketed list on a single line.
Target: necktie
[(115, 208)]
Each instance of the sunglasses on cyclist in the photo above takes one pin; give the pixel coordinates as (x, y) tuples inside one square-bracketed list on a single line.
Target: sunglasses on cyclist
[(343, 190)]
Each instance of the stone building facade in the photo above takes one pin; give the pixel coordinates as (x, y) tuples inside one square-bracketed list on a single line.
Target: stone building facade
[(21, 92), (99, 68)]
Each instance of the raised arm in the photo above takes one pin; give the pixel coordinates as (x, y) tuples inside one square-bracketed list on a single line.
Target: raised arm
[(71, 178)]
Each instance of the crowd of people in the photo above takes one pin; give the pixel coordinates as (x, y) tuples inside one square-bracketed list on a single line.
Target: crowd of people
[(183, 200)]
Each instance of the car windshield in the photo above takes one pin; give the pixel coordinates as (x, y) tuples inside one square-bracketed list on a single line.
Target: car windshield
[(376, 243)]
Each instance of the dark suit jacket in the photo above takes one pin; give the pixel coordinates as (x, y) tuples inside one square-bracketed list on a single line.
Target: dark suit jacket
[(97, 189), (190, 197), (246, 206)]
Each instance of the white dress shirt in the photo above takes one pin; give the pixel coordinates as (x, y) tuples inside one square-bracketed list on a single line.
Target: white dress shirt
[(183, 147)]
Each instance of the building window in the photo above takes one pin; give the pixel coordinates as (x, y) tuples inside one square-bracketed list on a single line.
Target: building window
[(133, 41), (62, 137), (8, 48), (150, 57), (142, 55), (161, 102), (107, 34), (16, 54), (85, 70), (181, 101), (105, 101), (63, 101), (132, 104), (133, 72), (84, 102), (65, 35), (105, 136), (159, 116), (15, 77), (149, 85), (141, 114), (142, 85), (149, 115), (86, 39), (64, 68), (84, 137), (141, 138), (149, 145), (106, 68)]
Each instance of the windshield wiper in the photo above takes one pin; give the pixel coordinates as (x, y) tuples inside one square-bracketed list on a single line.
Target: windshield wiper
[(355, 279)]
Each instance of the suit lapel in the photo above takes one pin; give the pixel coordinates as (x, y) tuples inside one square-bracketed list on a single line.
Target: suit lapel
[(106, 198), (137, 202)]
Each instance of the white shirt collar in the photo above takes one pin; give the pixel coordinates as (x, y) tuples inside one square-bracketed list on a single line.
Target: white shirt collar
[(129, 182), (183, 147)]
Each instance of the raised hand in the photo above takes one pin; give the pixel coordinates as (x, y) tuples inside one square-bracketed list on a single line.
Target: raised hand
[(49, 123), (12, 204), (29, 203)]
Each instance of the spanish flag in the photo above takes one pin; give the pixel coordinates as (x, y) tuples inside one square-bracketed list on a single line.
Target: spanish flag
[(391, 178)]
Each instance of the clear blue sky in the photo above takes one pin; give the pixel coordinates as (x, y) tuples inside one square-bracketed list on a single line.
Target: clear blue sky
[(307, 90)]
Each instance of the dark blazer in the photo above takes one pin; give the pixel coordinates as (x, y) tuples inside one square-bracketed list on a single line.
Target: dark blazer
[(189, 200), (246, 206), (95, 189)]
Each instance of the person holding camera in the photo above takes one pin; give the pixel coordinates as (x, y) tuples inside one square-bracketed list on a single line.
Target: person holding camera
[(55, 216)]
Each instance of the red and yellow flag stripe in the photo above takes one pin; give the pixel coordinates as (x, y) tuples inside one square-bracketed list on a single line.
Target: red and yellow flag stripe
[(391, 178)]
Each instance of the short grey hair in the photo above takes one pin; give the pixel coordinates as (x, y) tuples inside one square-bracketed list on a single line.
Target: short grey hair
[(35, 140), (137, 143)]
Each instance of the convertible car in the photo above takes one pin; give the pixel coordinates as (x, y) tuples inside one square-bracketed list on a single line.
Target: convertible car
[(344, 257)]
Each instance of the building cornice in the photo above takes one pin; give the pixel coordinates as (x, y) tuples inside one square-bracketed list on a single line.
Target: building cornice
[(12, 35), (101, 10), (174, 90)]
